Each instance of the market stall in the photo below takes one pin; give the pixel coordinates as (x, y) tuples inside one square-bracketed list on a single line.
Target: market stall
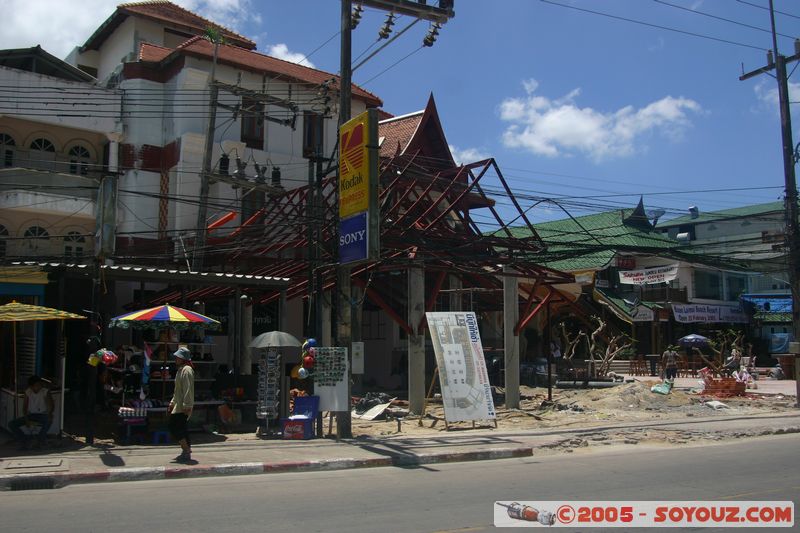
[(18, 312)]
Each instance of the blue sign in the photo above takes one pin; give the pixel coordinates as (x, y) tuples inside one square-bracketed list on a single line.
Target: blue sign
[(353, 238)]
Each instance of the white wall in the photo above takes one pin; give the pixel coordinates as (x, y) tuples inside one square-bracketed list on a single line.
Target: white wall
[(96, 108)]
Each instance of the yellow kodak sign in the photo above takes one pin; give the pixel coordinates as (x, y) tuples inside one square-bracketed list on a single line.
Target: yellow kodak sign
[(354, 166)]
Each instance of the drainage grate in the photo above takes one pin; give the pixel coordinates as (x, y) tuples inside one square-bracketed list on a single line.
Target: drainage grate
[(33, 484)]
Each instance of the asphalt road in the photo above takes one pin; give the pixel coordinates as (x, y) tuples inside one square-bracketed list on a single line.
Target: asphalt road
[(439, 498)]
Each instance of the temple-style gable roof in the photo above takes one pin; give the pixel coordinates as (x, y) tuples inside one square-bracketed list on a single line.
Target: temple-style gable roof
[(417, 134)]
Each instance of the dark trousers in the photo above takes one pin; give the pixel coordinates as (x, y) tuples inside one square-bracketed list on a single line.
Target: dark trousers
[(671, 372), (177, 427), (40, 418)]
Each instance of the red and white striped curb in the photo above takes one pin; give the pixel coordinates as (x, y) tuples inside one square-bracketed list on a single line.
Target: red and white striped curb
[(61, 479)]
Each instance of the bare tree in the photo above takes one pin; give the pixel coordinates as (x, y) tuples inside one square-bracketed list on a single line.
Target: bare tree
[(601, 353), (719, 347)]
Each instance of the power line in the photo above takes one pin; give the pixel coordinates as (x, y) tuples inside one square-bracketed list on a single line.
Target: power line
[(767, 9), (697, 12), (651, 25), (393, 65)]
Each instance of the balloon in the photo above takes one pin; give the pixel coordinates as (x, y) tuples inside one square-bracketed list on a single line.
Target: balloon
[(295, 373), (302, 373), (308, 362), (107, 359), (312, 351), (93, 360), (311, 342)]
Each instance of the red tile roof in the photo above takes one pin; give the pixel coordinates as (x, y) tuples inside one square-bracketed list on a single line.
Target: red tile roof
[(398, 132), (164, 12), (152, 53), (261, 63)]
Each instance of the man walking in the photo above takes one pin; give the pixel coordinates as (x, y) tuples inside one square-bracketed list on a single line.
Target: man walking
[(670, 361), (180, 407)]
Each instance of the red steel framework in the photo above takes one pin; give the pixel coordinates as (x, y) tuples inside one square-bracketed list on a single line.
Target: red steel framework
[(427, 215)]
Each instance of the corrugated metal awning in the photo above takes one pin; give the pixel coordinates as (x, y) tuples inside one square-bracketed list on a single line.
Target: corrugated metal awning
[(162, 275)]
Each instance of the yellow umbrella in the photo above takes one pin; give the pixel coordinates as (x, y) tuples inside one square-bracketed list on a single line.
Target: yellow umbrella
[(17, 312)]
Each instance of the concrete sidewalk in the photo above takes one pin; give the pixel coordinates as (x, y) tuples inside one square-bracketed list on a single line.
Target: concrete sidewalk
[(52, 469)]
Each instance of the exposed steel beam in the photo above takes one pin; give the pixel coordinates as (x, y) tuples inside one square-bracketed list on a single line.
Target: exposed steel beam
[(525, 319), (376, 298)]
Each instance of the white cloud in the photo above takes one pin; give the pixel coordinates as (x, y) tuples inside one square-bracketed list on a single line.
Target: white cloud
[(467, 155), (559, 127), (281, 51), (60, 26), (767, 93)]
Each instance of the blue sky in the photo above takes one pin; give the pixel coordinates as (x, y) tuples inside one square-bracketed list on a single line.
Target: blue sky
[(573, 105)]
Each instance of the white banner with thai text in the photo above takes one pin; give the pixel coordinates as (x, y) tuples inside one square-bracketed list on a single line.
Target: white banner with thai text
[(693, 313), (466, 391), (649, 276)]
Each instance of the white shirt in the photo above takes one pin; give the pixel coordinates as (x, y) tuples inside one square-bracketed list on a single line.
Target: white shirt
[(37, 401)]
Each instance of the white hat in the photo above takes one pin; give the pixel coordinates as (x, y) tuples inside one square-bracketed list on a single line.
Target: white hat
[(183, 353)]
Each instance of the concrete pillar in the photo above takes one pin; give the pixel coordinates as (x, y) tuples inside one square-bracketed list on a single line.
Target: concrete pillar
[(416, 342), (510, 339), (325, 336), (456, 297)]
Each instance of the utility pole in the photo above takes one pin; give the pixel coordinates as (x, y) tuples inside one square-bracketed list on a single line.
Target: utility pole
[(202, 210), (344, 427), (792, 227), (420, 10)]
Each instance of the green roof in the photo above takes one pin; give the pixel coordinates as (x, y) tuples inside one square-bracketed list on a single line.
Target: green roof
[(738, 212), (592, 241)]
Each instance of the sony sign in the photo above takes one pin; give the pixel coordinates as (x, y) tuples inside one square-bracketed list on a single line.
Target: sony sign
[(353, 241)]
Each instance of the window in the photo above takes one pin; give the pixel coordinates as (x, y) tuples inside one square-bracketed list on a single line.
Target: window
[(312, 134), (43, 145), (79, 158), (707, 285), (35, 237), (373, 325), (7, 149), (3, 236), (42, 155), (253, 123), (73, 244), (736, 286)]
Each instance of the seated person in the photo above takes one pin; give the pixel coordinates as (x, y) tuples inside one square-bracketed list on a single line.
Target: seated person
[(733, 362), (37, 407)]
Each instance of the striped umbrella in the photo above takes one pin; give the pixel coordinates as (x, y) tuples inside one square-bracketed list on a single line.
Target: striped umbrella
[(17, 312), (163, 316)]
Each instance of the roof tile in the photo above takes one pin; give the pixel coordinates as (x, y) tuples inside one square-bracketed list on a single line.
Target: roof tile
[(255, 61), (398, 132), (166, 11)]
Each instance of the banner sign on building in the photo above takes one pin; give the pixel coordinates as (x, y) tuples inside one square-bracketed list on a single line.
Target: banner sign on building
[(648, 276), (358, 189), (466, 391), (691, 313)]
